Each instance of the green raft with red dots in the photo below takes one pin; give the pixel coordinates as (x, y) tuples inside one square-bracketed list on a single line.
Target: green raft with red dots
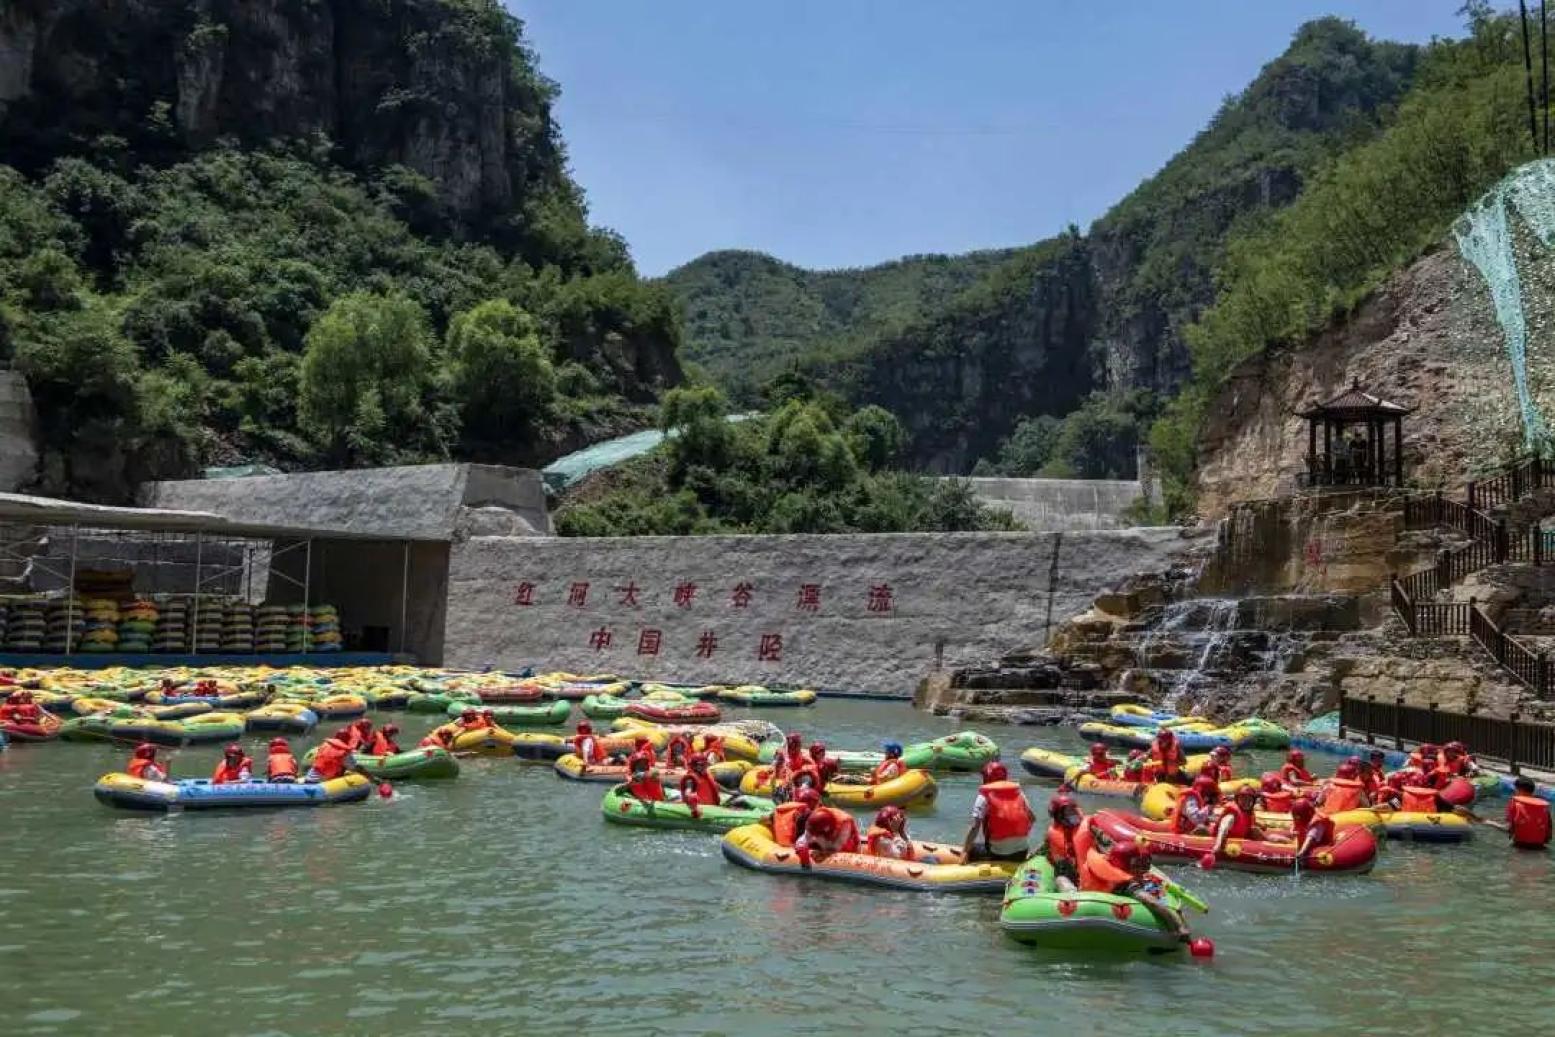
[(1037, 912)]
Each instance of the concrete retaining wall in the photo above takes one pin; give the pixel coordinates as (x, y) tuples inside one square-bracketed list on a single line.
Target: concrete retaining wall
[(869, 613), (18, 433), (1061, 505)]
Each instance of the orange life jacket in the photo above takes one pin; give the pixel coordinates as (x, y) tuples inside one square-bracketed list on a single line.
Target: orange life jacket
[(1102, 768), (226, 774), (138, 767), (878, 842), (1099, 875), (1278, 802), (647, 751), (1241, 820), (1418, 799), (281, 765), (677, 749), (1324, 826), (1343, 794), (1529, 819), (1009, 815), (1295, 775), (846, 839), (1222, 772), (702, 786), (383, 745), (1160, 757), (885, 770), (785, 823), (1061, 844), (330, 760), (806, 768), (1182, 824), (596, 752), (649, 788)]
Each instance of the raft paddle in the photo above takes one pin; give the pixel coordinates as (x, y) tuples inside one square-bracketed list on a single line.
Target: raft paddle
[(1185, 896)]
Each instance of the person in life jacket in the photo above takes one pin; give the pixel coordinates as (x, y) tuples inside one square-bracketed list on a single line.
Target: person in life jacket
[(787, 820), (790, 757), (357, 733), (383, 743), (1276, 798), (470, 720), (644, 748), (331, 760), (19, 708), (1001, 818), (697, 788), (818, 755), (1344, 791), (1194, 809), (1062, 845), (1107, 871), (1373, 773), (678, 749), (1135, 767), (144, 764), (234, 766), (1171, 771), (1457, 761), (1527, 821), (1220, 757), (439, 738), (1391, 792), (1238, 819), (644, 784), (1100, 765), (280, 764), (1165, 747), (888, 837), (1294, 771), (586, 747), (891, 767), (713, 748), (1416, 797), (827, 830), (1423, 753), (1309, 829)]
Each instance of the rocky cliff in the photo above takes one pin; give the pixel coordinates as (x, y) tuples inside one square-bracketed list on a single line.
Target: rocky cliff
[(433, 85)]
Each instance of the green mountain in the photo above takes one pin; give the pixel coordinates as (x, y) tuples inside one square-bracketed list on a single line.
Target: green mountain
[(1044, 330), (748, 316), (304, 232)]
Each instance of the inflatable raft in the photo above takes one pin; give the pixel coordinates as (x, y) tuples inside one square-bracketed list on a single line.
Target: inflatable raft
[(1189, 740), (121, 790), (511, 694), (549, 715), (45, 729), (1353, 851), (423, 763), (578, 690), (1156, 804), (938, 869), (211, 727), (754, 696), (339, 707), (963, 751), (621, 809), (604, 707), (1036, 912), (915, 788), (570, 766), (485, 741), (440, 702), (290, 717), (682, 712)]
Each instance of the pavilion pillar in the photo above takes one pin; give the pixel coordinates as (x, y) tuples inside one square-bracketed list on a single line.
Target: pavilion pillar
[(1328, 452), (1312, 449), (1398, 451)]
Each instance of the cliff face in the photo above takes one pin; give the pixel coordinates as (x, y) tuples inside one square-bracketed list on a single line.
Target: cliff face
[(428, 84)]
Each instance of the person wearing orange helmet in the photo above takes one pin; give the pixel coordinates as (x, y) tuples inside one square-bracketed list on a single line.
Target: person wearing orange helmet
[(643, 782), (1194, 809), (1237, 819), (1276, 798), (1294, 771), (827, 830), (697, 788), (888, 837), (280, 764), (1063, 845), (1100, 765), (1309, 828), (331, 760), (234, 767), (1220, 759), (383, 743), (144, 764), (676, 751), (787, 820), (1345, 790), (1001, 819)]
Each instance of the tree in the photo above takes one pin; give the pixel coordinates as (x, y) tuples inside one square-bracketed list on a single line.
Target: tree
[(365, 375), (876, 437), (702, 437), (502, 372)]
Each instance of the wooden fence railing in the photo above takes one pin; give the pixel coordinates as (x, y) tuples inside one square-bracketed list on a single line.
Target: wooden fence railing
[(1509, 740)]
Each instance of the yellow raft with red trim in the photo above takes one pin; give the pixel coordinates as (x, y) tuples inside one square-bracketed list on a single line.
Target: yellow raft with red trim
[(1157, 803), (915, 788), (939, 867)]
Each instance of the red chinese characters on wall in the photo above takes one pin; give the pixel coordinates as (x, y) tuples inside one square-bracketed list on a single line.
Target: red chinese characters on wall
[(770, 650), (809, 597), (742, 594), (707, 644), (524, 594), (599, 640), (880, 599), (628, 594), (649, 642), (685, 594), (578, 594)]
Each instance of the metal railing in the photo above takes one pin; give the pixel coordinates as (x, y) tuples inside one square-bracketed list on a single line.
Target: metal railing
[(1509, 740)]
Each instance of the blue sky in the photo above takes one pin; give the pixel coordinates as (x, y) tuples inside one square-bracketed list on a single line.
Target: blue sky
[(835, 133)]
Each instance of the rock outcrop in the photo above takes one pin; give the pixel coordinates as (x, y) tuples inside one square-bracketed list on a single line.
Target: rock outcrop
[(439, 87)]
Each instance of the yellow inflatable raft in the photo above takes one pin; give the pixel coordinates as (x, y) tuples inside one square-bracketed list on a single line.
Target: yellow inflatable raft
[(753, 846), (915, 788)]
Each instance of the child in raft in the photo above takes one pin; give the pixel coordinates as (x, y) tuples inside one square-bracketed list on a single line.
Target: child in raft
[(887, 837), (891, 767), (281, 765), (1001, 819), (1124, 871), (1527, 821), (1238, 819), (1063, 845), (233, 768), (1100, 764), (144, 764)]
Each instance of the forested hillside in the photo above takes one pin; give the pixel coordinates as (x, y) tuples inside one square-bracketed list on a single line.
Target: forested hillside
[(310, 233), (1105, 312)]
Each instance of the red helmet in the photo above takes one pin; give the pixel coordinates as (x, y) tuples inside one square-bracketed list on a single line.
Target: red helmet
[(1165, 735), (817, 750), (364, 723), (1098, 749), (485, 713), (1454, 748), (892, 819), (697, 762), (993, 770), (1428, 750), (712, 742), (1348, 769), (279, 744), (585, 728), (637, 762), (640, 741), (390, 729), (793, 740), (1221, 752), (1059, 805), (1302, 810), (808, 796), (145, 751), (1377, 755), (1272, 783), (821, 822), (1246, 792), (469, 714), (1296, 756), (233, 750), (1204, 784)]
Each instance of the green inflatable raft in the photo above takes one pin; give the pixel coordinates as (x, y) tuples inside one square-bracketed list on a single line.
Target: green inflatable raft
[(622, 809), (604, 707), (439, 702), (550, 714), (1266, 733), (756, 697), (962, 751), (423, 763), (1036, 912)]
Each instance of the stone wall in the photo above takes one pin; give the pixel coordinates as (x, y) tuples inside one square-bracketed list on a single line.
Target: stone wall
[(18, 432), (867, 613), (1061, 505)]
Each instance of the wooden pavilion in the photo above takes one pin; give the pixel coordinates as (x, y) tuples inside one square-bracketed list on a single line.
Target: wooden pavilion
[(1355, 432)]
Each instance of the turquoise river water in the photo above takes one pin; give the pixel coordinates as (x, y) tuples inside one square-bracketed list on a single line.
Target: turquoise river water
[(501, 903)]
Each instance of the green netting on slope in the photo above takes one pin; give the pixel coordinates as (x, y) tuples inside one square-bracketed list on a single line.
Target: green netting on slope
[(564, 471), (1485, 239)]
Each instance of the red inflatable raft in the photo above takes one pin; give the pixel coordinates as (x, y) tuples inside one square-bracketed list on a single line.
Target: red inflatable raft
[(677, 713), (508, 694), (44, 729), (1353, 851)]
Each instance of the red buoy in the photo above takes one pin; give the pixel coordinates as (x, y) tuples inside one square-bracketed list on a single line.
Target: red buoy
[(1201, 947), (385, 790), (1207, 862)]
